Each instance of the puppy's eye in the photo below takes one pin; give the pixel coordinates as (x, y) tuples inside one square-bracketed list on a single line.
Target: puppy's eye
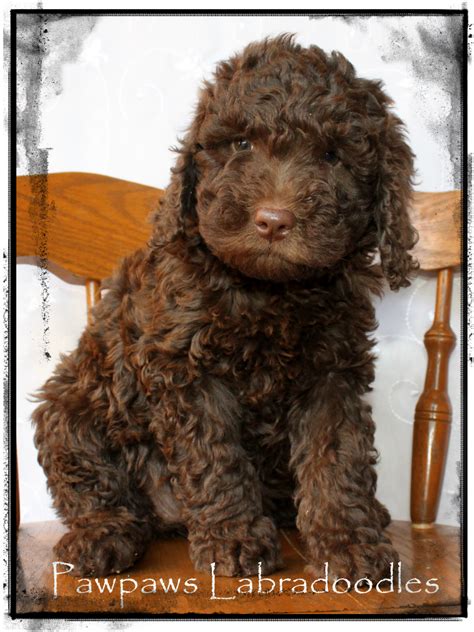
[(331, 157), (242, 144)]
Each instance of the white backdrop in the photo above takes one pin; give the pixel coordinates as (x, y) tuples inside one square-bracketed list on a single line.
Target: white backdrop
[(115, 95)]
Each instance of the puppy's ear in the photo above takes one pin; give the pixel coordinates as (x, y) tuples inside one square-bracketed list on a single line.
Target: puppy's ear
[(179, 218), (176, 219), (396, 235), (185, 179)]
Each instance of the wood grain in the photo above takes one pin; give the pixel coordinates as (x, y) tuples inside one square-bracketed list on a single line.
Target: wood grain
[(82, 222), (437, 218), (431, 553)]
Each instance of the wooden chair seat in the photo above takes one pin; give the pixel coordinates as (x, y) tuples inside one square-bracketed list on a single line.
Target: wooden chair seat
[(425, 554), (84, 223)]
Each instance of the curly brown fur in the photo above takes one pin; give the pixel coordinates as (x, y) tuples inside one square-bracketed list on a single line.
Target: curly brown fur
[(220, 386)]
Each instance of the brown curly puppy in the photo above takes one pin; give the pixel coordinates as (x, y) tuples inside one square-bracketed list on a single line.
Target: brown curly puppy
[(220, 387)]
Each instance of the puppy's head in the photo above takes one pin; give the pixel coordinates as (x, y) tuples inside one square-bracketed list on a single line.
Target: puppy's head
[(293, 164)]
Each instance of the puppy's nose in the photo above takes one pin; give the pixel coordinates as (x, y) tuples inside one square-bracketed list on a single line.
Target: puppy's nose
[(274, 223)]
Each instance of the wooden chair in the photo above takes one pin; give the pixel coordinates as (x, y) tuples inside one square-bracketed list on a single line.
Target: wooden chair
[(84, 223)]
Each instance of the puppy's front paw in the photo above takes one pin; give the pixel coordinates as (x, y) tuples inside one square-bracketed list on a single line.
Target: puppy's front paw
[(237, 549), (354, 561), (96, 551)]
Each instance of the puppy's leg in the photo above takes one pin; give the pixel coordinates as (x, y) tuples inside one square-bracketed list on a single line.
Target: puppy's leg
[(214, 480), (333, 456), (109, 519)]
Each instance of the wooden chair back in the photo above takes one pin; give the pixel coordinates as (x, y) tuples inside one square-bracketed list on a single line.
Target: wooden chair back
[(85, 223)]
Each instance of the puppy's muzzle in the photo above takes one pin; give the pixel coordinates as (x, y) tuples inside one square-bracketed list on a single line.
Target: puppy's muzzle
[(274, 224)]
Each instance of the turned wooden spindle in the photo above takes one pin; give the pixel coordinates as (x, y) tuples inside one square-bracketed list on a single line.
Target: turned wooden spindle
[(93, 295), (433, 411)]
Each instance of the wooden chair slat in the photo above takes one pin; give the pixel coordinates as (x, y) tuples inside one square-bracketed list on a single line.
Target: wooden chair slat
[(69, 218)]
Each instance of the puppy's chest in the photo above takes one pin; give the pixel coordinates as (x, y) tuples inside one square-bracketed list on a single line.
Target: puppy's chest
[(262, 358)]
